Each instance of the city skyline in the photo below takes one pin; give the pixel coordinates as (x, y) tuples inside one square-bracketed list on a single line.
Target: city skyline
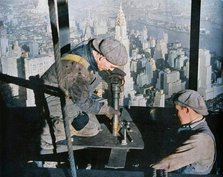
[(157, 47)]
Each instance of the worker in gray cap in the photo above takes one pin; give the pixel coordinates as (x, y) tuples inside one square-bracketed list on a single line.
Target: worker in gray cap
[(80, 78), (194, 150)]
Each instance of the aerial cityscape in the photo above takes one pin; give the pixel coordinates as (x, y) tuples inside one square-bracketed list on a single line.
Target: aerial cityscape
[(156, 35)]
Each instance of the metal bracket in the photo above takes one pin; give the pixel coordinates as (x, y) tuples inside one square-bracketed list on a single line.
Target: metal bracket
[(117, 158)]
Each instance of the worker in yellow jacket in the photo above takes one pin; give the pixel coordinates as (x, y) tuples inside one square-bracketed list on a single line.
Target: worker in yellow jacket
[(80, 78)]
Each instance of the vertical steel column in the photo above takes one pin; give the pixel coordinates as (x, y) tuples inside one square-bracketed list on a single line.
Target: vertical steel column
[(57, 54), (117, 81), (194, 43), (115, 95), (64, 33)]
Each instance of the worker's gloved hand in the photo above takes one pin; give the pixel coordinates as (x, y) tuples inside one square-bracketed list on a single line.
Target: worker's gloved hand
[(118, 72), (108, 111), (111, 112)]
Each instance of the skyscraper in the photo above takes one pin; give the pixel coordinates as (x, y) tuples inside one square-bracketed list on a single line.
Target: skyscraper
[(36, 66), (205, 86), (121, 35), (4, 42), (172, 83), (121, 29)]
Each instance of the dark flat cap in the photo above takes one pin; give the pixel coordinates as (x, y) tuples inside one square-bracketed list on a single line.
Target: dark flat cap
[(192, 99), (112, 49)]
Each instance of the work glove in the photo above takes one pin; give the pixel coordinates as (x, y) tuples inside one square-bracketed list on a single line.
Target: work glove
[(111, 112), (117, 75), (118, 72), (108, 111)]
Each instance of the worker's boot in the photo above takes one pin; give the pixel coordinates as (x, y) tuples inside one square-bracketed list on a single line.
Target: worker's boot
[(58, 130), (84, 128)]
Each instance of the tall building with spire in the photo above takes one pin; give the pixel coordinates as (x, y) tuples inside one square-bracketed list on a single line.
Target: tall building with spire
[(128, 94), (121, 29)]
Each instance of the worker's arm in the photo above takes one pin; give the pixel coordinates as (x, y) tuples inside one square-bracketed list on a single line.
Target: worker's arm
[(197, 147)]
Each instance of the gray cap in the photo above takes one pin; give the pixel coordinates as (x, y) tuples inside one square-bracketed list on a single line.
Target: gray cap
[(192, 99), (112, 49)]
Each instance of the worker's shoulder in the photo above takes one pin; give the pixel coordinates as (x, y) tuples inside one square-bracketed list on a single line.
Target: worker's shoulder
[(77, 59), (202, 139)]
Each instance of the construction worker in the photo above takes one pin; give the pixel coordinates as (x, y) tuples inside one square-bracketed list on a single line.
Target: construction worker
[(80, 77), (194, 151)]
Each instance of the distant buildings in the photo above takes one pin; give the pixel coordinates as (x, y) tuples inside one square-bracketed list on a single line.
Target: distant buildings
[(159, 100), (4, 46), (171, 82), (206, 88), (33, 67), (155, 71), (4, 42), (22, 58)]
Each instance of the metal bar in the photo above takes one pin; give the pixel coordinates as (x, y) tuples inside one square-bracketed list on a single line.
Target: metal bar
[(194, 43), (68, 136), (43, 108), (57, 53), (31, 84), (116, 91), (63, 19), (117, 158)]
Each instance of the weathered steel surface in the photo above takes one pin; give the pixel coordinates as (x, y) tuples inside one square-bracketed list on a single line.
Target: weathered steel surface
[(104, 139), (57, 172), (117, 158), (81, 173)]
